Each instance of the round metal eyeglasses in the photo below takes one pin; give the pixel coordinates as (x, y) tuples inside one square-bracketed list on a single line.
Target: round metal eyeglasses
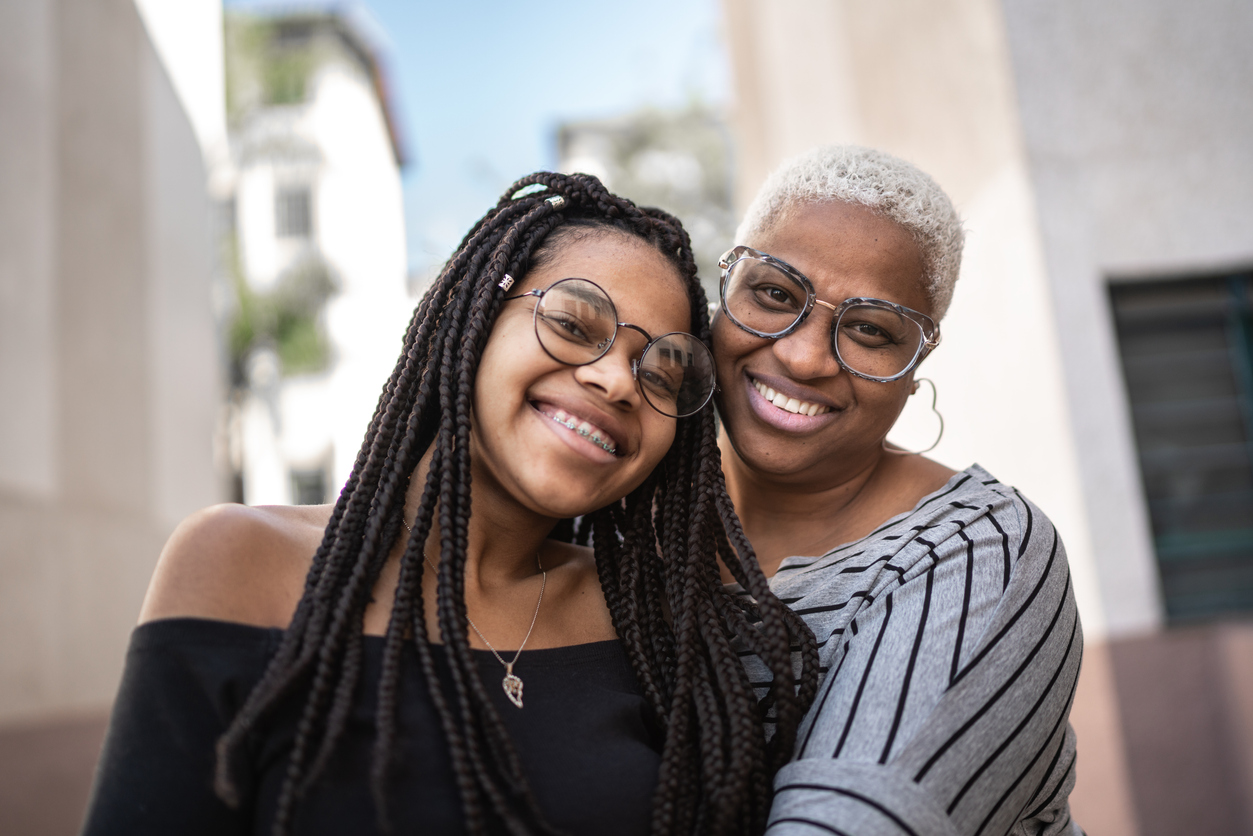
[(576, 324), (871, 338)]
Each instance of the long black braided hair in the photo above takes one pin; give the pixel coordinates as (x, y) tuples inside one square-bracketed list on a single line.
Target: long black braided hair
[(656, 554)]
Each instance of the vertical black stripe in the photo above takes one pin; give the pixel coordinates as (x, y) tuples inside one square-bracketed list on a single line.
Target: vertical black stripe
[(1027, 769), (1026, 534), (865, 675), (909, 669), (965, 613), (1044, 578), (1022, 724), (1000, 692), (1004, 549), (1050, 772), (828, 685)]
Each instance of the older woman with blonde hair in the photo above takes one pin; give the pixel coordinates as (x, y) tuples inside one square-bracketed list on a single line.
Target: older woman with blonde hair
[(941, 599)]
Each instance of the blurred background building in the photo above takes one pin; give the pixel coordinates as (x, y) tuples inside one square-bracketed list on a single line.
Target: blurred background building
[(312, 237), (203, 277), (202, 288), (679, 159)]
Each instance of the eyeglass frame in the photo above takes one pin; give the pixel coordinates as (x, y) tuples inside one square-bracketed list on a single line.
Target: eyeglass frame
[(929, 327), (538, 293)]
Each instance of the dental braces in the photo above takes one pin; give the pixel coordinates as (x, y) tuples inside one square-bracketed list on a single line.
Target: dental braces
[(572, 425)]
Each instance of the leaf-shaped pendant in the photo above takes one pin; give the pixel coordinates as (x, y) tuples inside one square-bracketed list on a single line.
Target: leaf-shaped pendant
[(513, 688)]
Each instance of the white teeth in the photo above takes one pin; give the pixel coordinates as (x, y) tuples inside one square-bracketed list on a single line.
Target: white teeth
[(793, 405)]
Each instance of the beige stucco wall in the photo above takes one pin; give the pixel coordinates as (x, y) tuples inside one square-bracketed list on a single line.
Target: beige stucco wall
[(108, 358)]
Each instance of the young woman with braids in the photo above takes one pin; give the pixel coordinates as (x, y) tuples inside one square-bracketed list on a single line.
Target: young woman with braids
[(336, 669)]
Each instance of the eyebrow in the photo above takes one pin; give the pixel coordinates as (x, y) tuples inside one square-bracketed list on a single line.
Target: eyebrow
[(588, 297)]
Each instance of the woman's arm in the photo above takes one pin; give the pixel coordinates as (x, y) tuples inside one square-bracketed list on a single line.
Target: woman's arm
[(945, 708)]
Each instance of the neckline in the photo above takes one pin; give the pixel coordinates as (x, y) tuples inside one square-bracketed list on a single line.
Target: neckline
[(974, 471), (197, 627)]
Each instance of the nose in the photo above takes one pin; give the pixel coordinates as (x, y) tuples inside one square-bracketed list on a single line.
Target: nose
[(612, 376), (806, 353)]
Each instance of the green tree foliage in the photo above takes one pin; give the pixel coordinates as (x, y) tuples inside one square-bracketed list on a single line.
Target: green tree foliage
[(288, 317), (269, 61)]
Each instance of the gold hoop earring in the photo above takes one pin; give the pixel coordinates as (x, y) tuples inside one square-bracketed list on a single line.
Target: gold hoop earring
[(940, 417)]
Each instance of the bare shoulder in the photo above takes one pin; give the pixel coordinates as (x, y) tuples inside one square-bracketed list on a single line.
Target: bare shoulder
[(236, 563)]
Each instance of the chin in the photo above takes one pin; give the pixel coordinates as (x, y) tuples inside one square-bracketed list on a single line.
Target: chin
[(562, 502)]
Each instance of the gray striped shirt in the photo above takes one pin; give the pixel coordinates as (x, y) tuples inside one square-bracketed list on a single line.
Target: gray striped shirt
[(950, 643)]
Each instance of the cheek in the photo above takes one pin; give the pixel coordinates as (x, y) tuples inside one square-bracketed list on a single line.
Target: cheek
[(659, 437), (887, 400), (729, 344)]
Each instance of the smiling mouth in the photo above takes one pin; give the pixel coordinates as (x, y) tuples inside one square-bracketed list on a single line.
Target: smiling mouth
[(782, 401), (586, 429)]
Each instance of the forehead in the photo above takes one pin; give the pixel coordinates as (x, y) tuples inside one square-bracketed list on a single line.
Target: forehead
[(849, 250), (645, 287)]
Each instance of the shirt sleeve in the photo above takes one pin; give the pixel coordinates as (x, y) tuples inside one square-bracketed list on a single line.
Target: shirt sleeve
[(183, 681), (944, 712)]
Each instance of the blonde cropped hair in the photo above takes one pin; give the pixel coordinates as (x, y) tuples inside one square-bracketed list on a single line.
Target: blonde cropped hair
[(898, 190)]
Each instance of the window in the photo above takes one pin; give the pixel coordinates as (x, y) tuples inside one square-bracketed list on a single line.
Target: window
[(293, 216), (308, 487), (1187, 356)]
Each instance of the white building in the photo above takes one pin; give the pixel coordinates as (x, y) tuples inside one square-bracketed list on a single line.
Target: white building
[(313, 194), (1097, 353)]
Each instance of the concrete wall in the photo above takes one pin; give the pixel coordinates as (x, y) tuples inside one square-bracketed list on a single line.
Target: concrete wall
[(1138, 123), (1137, 120), (108, 359)]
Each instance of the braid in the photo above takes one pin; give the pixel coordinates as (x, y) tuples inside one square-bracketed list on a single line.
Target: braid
[(656, 554)]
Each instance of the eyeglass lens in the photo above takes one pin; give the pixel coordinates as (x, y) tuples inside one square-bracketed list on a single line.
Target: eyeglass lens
[(576, 322), (872, 340)]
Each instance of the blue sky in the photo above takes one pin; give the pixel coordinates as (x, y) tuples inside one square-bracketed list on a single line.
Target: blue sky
[(479, 88)]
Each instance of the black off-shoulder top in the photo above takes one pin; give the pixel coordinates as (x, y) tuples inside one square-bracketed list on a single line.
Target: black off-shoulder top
[(584, 737)]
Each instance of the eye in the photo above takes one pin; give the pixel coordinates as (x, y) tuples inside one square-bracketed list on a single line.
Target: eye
[(867, 334), (776, 297), (870, 330), (660, 383), (568, 327), (776, 294)]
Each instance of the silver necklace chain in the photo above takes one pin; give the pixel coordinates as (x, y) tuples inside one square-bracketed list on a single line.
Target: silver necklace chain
[(512, 684)]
